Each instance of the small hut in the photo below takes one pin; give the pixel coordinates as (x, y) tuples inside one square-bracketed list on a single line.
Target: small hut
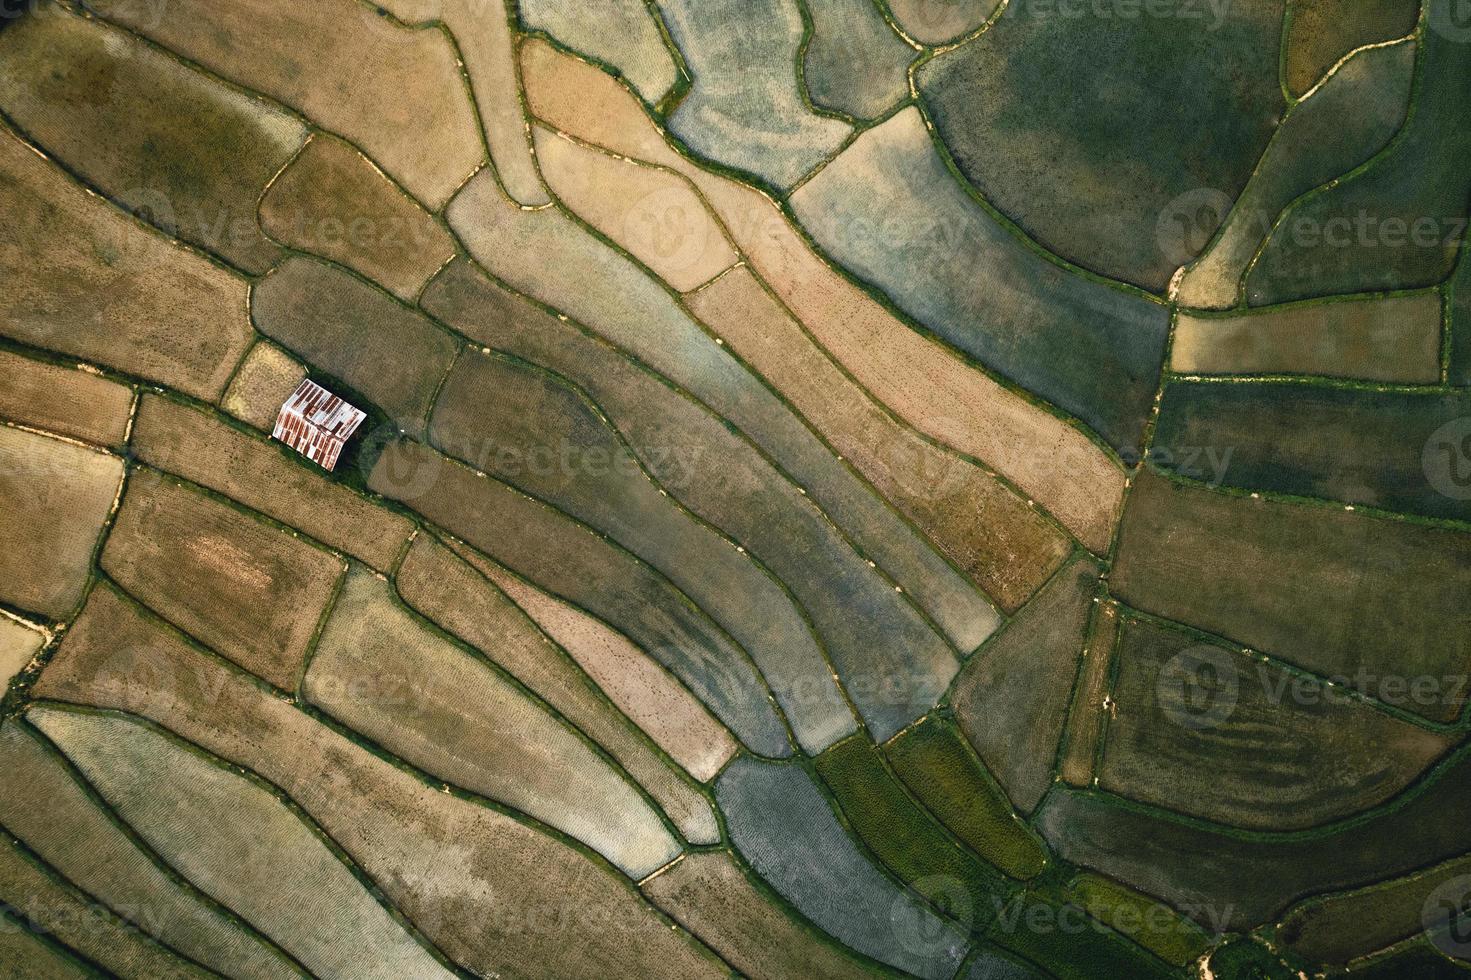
[(316, 423)]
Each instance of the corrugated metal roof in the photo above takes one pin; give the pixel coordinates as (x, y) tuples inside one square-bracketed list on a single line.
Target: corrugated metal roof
[(317, 423)]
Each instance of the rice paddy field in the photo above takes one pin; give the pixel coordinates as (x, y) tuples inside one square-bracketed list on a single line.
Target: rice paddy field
[(945, 489)]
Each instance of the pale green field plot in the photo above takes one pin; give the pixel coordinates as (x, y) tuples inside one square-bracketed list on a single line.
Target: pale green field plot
[(855, 62), (72, 403), (18, 645), (237, 841), (56, 497), (250, 591), (353, 331), (333, 202), (625, 35), (179, 149), (744, 109), (49, 810), (784, 827), (383, 673), (461, 596)]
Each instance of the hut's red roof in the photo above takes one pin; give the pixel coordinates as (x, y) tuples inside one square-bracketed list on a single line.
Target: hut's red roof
[(316, 423)]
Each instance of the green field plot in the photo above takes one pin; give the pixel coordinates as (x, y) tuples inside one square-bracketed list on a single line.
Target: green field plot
[(1063, 939), (1346, 926), (938, 767), (68, 402), (1395, 450), (1325, 31), (855, 63), (383, 673), (888, 210), (901, 833), (1276, 752), (1192, 97), (1151, 924), (173, 146), (1012, 698), (1318, 587), (57, 496), (461, 597), (783, 825), (250, 591), (1216, 876)]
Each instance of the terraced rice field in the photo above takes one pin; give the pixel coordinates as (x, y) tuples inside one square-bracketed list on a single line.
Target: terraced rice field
[(955, 489)]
